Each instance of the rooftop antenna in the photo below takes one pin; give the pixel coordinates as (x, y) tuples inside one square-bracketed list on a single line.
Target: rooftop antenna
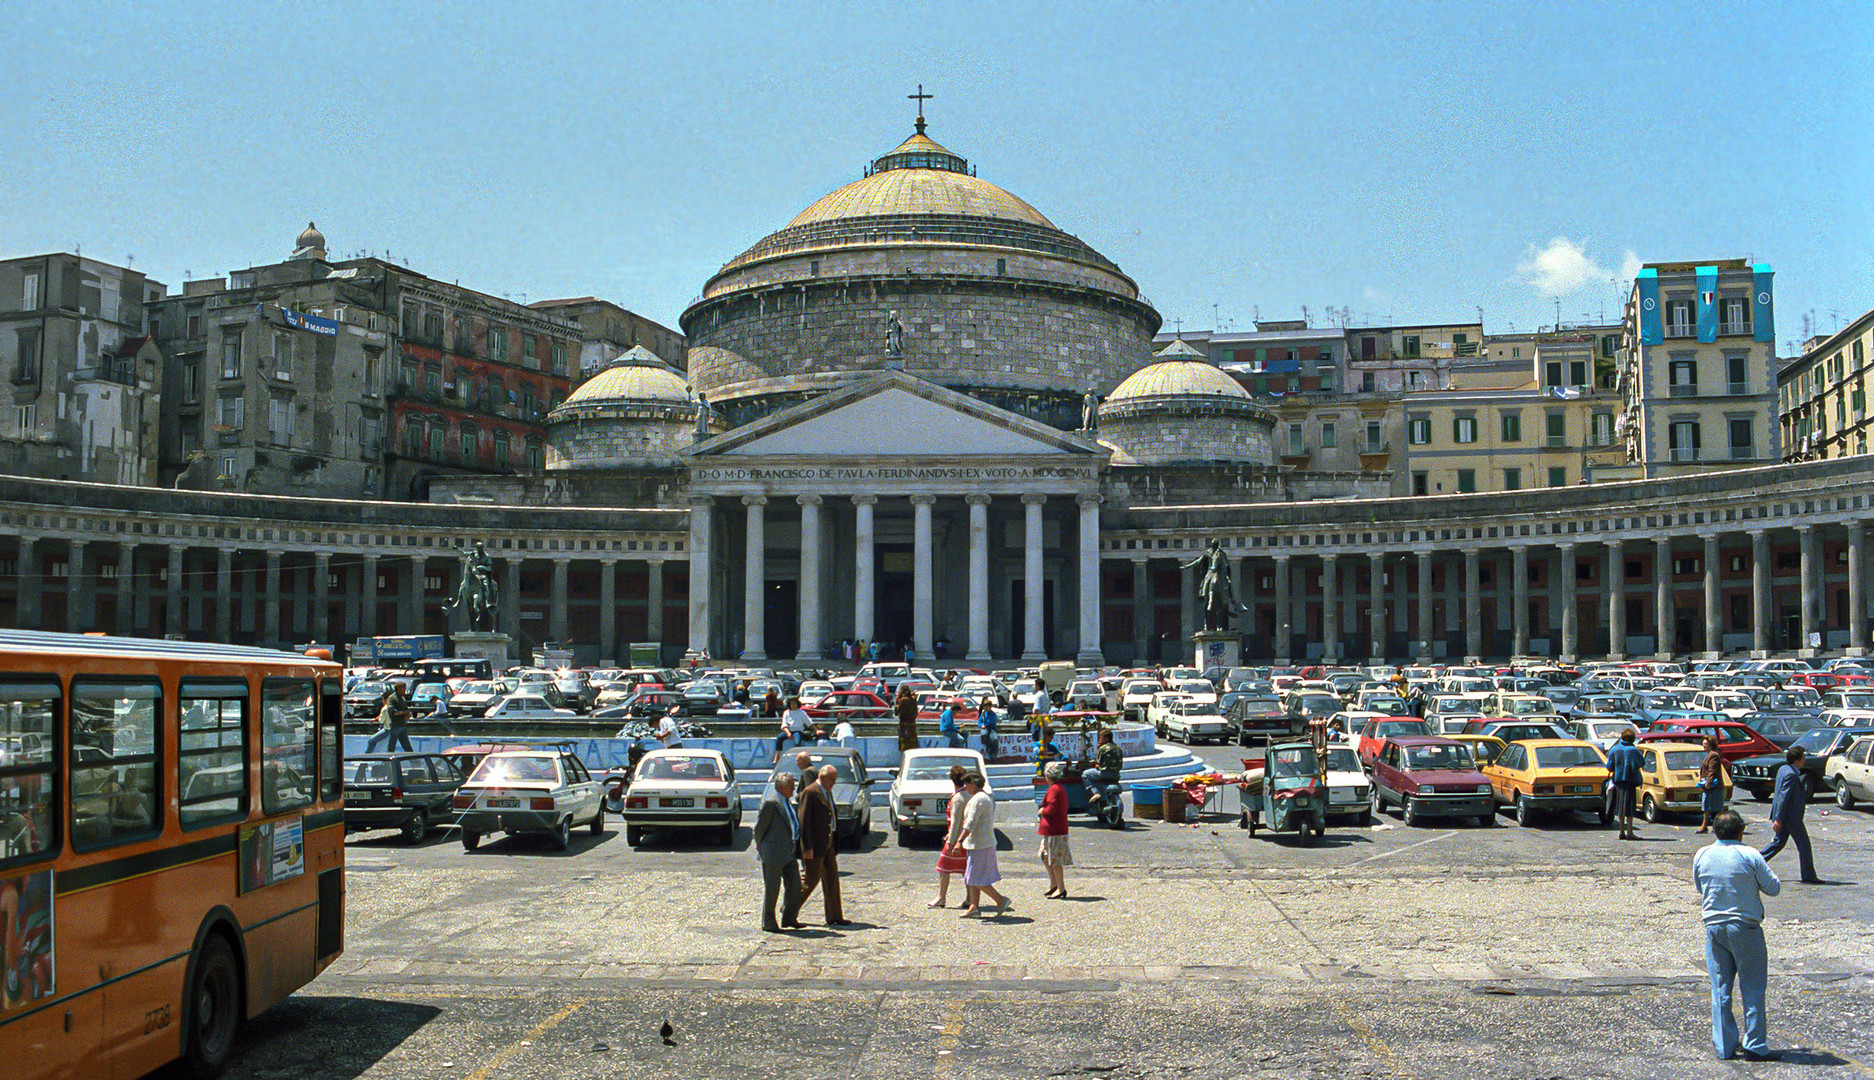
[(1213, 315), (1558, 313), (920, 97), (130, 260)]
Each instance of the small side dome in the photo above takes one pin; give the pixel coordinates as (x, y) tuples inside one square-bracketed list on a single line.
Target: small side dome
[(629, 382), (1178, 348), (1177, 378)]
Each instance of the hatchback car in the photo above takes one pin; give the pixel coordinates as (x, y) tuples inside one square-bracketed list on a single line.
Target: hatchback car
[(533, 791), (525, 706), (1548, 775), (1194, 720), (1668, 781), (682, 789), (1852, 774), (1757, 774), (1426, 776), (1346, 784), (409, 792)]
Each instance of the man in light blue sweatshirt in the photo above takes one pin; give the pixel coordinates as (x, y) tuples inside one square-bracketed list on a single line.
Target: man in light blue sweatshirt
[(1733, 878)]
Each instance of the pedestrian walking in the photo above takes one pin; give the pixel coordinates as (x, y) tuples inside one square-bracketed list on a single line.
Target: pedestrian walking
[(980, 873), (1052, 828), (1786, 807), (777, 845), (952, 860), (906, 708), (819, 857), (393, 720), (1624, 763), (1711, 781), (771, 704), (1733, 879)]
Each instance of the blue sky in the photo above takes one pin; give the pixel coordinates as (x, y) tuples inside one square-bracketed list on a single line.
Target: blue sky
[(1412, 163)]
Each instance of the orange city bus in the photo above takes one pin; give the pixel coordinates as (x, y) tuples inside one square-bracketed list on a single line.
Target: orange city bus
[(171, 847)]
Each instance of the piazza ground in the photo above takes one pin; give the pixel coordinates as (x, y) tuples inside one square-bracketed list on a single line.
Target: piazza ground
[(1186, 951)]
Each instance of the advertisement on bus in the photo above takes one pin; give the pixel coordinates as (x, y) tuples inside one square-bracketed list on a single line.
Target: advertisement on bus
[(271, 852), (26, 938)]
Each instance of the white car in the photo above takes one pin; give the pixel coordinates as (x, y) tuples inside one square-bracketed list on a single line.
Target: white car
[(682, 789), (1198, 690), (812, 691), (1136, 697), (1851, 773), (1160, 709), (1087, 694), (525, 706), (1733, 704), (920, 793), (1193, 721), (528, 791), (1346, 784)]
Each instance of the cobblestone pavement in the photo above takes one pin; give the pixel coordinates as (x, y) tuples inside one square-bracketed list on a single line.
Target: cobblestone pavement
[(1189, 950)]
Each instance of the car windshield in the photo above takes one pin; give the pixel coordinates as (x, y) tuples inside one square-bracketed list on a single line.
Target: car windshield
[(1684, 760), (675, 767), (1562, 695), (1194, 708), (843, 764), (1343, 759), (1292, 761), (1401, 727), (369, 772), (1318, 703), (1857, 701), (476, 688), (1608, 731), (1790, 699), (497, 768), (937, 767), (1721, 700), (1565, 757), (1438, 757), (1527, 707), (379, 688), (1815, 740)]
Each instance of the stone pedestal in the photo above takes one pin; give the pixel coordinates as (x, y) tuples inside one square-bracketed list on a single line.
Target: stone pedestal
[(1217, 648), (497, 649)]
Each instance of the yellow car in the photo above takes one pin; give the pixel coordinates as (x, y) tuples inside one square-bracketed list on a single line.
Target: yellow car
[(1484, 748), (1542, 775), (1669, 780)]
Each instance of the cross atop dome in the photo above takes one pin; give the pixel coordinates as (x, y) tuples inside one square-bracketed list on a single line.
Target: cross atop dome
[(920, 97)]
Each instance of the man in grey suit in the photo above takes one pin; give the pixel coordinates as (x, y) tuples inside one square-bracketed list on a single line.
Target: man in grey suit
[(1792, 796), (777, 845)]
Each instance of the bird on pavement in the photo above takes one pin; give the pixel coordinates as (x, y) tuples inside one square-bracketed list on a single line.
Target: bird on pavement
[(667, 1031)]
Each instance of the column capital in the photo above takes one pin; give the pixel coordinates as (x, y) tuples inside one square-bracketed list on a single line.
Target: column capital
[(656, 560), (1140, 558), (1615, 543), (1711, 541), (320, 557), (272, 556), (1089, 498), (1329, 556), (1424, 555), (1565, 545), (1805, 527), (1376, 556), (1034, 498), (754, 500), (977, 498), (514, 560), (1284, 556), (562, 560), (808, 500), (702, 502), (923, 500), (865, 500)]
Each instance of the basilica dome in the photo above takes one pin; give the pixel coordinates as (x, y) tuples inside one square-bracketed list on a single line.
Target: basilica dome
[(987, 296), (636, 413)]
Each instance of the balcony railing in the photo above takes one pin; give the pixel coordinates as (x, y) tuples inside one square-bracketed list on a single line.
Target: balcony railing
[(1739, 389), (1682, 454), (1733, 329), (1684, 390)]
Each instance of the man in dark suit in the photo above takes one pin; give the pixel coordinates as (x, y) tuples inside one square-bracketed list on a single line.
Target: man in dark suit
[(818, 826), (1792, 795), (777, 845)]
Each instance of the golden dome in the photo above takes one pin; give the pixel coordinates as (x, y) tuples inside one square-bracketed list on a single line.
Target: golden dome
[(920, 191), (630, 382), (1177, 378)]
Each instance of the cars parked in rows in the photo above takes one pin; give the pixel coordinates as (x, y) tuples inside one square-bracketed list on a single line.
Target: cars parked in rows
[(682, 789), (1427, 776), (543, 792)]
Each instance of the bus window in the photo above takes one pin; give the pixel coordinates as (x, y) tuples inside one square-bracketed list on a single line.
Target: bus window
[(331, 741), (29, 711), (286, 722), (114, 760), (212, 763)]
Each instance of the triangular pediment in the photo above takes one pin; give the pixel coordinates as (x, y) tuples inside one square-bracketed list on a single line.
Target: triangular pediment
[(894, 414)]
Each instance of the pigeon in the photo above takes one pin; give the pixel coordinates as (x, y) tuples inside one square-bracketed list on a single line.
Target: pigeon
[(667, 1031)]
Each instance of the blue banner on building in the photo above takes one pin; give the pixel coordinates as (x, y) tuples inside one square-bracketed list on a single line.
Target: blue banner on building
[(1647, 282), (1707, 303), (309, 323), (1763, 312)]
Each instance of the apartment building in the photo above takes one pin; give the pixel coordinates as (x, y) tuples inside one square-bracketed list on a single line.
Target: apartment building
[(1822, 395)]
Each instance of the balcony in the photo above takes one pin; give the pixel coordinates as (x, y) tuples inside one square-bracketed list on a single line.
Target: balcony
[(1738, 389), (1684, 454), (1680, 330), (1743, 453), (1734, 329), (1683, 390), (1555, 442)]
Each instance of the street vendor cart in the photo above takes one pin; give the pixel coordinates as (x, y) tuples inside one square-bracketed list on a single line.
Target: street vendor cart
[(1289, 794)]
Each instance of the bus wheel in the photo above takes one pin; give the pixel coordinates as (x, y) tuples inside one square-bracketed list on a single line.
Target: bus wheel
[(214, 1008)]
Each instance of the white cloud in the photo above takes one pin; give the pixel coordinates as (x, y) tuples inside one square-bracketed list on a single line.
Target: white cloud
[(1563, 268)]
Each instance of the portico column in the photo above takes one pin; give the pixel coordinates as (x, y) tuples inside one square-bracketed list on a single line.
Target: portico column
[(556, 613), (1811, 589), (1142, 612), (1424, 647), (321, 596), (1662, 597), (809, 577), (270, 610), (654, 604), (416, 568), (1376, 614), (863, 563), (26, 606), (81, 605), (608, 610), (1033, 639), (1759, 594), (1090, 655), (175, 617), (923, 637), (1616, 602), (1857, 590), (1473, 605), (979, 577), (126, 601), (224, 592), (699, 576), (1714, 616), (755, 580), (1284, 612), (1330, 608), (511, 600), (1571, 629), (1519, 599)]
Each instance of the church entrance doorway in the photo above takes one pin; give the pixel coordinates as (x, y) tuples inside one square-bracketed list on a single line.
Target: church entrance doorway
[(891, 610), (781, 618)]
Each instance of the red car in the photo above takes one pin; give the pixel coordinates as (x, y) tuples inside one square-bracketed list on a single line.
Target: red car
[(1735, 740), (1816, 680), (1427, 776), (849, 704), (1381, 729)]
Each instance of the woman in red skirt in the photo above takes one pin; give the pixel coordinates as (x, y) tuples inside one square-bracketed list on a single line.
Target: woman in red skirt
[(953, 860)]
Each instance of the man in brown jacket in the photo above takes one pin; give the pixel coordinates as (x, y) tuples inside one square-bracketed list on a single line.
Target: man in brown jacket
[(819, 858)]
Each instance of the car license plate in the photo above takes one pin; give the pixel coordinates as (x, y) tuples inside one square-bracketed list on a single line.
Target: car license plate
[(679, 802), (1341, 796), (504, 803), (1581, 789)]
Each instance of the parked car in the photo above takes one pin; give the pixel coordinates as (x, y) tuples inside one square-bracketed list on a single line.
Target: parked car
[(1346, 784), (1516, 730), (1377, 729), (849, 705), (920, 794), (1484, 748), (1548, 776), (852, 791), (409, 792), (1602, 733), (1783, 729), (1735, 740), (1518, 705), (682, 789), (467, 756), (1757, 774), (1733, 703), (529, 791), (1160, 709), (1852, 774), (1258, 718), (524, 706), (1135, 698), (1087, 694), (1668, 781), (1427, 776), (473, 698), (1306, 705), (366, 699), (1194, 720)]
